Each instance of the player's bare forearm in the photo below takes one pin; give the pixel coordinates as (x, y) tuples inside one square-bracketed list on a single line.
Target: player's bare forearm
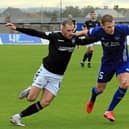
[(81, 33)]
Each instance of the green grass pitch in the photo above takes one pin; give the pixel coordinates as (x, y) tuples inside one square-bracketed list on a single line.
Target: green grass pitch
[(17, 67)]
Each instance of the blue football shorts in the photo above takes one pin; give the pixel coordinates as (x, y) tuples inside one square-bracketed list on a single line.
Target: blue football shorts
[(108, 70)]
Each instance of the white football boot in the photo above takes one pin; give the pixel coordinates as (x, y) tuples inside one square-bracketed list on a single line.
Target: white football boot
[(16, 120)]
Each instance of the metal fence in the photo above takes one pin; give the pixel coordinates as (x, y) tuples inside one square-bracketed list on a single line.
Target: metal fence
[(46, 27), (38, 26)]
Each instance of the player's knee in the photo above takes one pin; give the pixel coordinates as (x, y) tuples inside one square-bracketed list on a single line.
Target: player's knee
[(31, 98), (90, 52), (125, 83)]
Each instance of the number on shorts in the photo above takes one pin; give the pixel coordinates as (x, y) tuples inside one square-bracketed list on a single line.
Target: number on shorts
[(101, 75)]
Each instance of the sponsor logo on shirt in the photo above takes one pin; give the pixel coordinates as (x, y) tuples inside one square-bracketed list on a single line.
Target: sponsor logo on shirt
[(69, 49), (60, 40)]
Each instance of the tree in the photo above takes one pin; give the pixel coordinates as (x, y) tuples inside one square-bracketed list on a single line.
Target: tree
[(74, 11), (87, 9)]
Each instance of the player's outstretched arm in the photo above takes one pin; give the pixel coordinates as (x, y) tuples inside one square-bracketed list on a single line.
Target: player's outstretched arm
[(87, 40), (28, 31), (11, 26)]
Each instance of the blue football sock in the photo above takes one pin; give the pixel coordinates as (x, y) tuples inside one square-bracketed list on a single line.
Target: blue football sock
[(119, 94), (94, 94)]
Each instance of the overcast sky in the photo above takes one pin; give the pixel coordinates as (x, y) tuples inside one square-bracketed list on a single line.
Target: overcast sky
[(57, 3)]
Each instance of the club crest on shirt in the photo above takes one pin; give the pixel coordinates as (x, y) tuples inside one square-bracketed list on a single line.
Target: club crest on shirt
[(117, 38), (73, 40)]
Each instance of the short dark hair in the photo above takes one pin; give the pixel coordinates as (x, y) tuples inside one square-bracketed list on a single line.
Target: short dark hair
[(107, 18), (67, 21), (93, 11)]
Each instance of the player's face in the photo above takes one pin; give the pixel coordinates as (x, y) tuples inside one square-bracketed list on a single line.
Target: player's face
[(109, 27), (93, 16), (67, 31)]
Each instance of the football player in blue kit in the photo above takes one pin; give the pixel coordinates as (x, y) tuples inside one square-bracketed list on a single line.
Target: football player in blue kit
[(115, 60)]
